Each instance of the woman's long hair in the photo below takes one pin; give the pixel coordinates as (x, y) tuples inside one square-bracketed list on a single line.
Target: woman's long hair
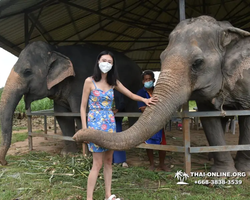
[(112, 75)]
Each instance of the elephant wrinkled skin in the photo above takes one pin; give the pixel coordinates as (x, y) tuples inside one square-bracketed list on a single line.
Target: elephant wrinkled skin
[(203, 57), (56, 72)]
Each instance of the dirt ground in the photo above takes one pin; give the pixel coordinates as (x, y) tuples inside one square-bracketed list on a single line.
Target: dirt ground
[(135, 157)]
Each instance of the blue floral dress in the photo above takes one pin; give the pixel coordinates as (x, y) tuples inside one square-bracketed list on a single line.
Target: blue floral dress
[(100, 116)]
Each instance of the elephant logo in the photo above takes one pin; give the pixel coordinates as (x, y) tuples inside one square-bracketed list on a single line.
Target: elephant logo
[(181, 176)]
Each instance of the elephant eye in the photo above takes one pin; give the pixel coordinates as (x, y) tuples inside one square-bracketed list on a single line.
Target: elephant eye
[(27, 72), (196, 64)]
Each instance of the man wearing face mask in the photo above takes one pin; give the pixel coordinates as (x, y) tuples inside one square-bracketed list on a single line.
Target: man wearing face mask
[(159, 138)]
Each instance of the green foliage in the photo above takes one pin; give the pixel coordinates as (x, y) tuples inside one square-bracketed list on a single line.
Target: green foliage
[(47, 103), (42, 104), (192, 105), (125, 119), (20, 106)]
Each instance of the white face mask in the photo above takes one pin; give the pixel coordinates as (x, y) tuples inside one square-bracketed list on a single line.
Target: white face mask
[(105, 67)]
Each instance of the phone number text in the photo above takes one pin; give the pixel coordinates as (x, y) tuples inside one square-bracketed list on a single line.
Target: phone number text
[(218, 182)]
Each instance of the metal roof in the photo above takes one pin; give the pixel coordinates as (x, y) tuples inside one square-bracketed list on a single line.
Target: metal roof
[(140, 28)]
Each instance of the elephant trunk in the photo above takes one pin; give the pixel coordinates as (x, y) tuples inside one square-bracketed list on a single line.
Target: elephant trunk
[(173, 88), (10, 97)]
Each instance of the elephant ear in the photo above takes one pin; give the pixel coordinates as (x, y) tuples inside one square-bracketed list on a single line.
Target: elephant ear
[(237, 54), (60, 67), (232, 35)]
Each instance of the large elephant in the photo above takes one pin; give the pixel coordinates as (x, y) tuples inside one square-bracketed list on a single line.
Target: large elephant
[(43, 70), (205, 60)]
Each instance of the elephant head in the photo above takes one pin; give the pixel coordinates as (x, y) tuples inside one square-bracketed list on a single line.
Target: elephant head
[(192, 66), (34, 75)]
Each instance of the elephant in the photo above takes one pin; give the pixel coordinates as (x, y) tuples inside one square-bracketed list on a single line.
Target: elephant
[(207, 61), (58, 72)]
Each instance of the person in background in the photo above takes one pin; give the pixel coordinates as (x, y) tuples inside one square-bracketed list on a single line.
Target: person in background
[(119, 105), (159, 138)]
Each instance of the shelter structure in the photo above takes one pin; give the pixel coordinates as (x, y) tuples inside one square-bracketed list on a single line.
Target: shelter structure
[(140, 29)]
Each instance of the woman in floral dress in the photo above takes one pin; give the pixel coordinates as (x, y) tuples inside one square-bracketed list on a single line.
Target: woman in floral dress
[(100, 115), (98, 94)]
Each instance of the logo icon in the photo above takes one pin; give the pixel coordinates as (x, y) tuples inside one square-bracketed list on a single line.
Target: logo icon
[(181, 176)]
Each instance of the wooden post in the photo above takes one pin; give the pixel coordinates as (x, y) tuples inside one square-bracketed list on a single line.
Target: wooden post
[(30, 130), (45, 126), (186, 138), (84, 149), (54, 124)]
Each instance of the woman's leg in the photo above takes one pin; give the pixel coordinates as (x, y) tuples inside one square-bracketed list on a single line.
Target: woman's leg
[(97, 165), (108, 155)]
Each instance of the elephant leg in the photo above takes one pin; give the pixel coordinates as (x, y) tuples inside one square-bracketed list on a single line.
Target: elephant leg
[(67, 125), (75, 103), (224, 121), (242, 161), (214, 130), (78, 123), (223, 161)]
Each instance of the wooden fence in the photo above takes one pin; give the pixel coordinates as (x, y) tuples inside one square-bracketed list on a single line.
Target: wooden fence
[(185, 115)]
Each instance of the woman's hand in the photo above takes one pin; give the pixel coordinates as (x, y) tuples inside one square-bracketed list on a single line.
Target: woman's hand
[(151, 100)]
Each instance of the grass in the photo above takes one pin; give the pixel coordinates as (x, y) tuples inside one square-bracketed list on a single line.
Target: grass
[(17, 137), (38, 175), (18, 128), (52, 177)]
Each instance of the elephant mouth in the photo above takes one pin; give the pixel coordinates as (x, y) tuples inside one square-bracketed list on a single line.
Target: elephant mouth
[(28, 99)]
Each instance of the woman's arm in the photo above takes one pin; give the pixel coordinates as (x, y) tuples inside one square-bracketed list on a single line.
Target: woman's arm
[(85, 97), (133, 96)]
